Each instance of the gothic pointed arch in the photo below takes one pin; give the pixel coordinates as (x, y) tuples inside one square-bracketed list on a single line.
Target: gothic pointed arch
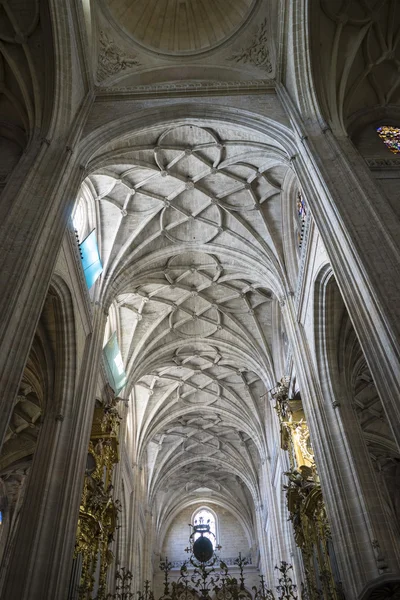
[(359, 411), (45, 394)]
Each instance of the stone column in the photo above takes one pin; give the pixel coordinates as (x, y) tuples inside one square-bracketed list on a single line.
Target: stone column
[(350, 491), (134, 530), (40, 560), (34, 211), (149, 568), (261, 535), (361, 234), (270, 498), (281, 530)]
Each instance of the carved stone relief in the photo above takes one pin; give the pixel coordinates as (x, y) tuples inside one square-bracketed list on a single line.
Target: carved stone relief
[(256, 53), (112, 59)]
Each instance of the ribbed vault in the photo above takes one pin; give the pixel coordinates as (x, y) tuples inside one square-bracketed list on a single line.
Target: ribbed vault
[(190, 230), (365, 78)]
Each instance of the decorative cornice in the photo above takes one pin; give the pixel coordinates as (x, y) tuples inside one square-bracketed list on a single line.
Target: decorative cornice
[(112, 59), (257, 52), (188, 88), (383, 163)]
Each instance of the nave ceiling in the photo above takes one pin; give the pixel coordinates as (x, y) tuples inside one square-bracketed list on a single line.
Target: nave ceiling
[(191, 223), (196, 229), (197, 225)]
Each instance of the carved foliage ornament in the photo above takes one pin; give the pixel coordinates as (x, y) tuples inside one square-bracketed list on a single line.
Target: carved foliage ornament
[(257, 53), (112, 59)]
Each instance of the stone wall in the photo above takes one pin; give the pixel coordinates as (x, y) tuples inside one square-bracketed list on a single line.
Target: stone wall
[(231, 535)]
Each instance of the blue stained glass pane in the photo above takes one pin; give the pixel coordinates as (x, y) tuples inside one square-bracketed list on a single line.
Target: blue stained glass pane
[(91, 262)]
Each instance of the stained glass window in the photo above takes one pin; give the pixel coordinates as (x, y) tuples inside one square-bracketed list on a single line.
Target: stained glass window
[(301, 207), (390, 137), (301, 214)]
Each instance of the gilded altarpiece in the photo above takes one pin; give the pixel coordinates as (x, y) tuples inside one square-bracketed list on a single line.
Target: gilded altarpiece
[(98, 513), (305, 501)]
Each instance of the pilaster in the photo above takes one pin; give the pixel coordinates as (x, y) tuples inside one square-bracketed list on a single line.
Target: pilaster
[(40, 561), (361, 235), (37, 202), (350, 492)]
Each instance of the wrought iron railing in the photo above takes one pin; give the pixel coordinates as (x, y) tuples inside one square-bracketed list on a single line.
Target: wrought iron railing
[(230, 562)]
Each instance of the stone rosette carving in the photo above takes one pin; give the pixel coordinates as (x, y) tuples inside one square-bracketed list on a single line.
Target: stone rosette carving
[(112, 59), (257, 53)]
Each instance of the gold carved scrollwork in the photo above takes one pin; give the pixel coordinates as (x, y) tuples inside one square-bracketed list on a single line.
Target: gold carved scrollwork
[(304, 498), (98, 513)]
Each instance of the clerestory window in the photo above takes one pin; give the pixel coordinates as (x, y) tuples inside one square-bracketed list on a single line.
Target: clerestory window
[(301, 211), (390, 137), (204, 516), (79, 218)]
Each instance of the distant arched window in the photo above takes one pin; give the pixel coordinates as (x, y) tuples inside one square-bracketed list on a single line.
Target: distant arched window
[(390, 137), (80, 218), (301, 214), (205, 516)]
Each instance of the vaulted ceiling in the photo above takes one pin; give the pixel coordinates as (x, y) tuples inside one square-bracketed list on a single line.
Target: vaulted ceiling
[(143, 43), (25, 46), (180, 26), (191, 226), (356, 58)]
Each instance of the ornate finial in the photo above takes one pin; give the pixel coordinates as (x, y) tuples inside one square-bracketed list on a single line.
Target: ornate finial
[(166, 566)]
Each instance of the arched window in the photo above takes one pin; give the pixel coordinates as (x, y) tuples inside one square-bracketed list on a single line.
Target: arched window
[(205, 516), (301, 214), (390, 137), (80, 218)]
